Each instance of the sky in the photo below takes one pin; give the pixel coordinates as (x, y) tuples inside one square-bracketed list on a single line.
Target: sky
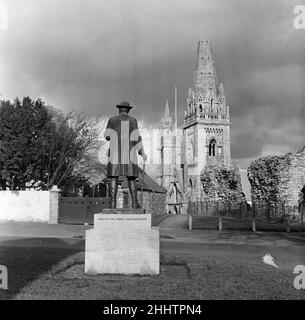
[(90, 55)]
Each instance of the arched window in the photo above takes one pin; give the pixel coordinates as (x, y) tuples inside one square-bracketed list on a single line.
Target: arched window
[(212, 147), (200, 107)]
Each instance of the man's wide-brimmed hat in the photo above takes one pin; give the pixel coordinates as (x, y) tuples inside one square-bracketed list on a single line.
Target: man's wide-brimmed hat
[(124, 104)]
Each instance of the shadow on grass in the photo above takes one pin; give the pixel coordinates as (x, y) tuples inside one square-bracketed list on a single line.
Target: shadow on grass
[(27, 263)]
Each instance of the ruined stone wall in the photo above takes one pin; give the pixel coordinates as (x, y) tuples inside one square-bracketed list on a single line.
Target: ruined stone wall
[(221, 193), (153, 202), (276, 184)]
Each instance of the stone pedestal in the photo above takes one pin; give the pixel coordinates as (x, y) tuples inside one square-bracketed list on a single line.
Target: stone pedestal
[(122, 242)]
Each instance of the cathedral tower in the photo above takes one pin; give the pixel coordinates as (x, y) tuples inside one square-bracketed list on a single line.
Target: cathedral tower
[(206, 121)]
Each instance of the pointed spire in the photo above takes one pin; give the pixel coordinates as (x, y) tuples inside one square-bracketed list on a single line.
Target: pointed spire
[(205, 73), (166, 111), (205, 61), (206, 95), (166, 121)]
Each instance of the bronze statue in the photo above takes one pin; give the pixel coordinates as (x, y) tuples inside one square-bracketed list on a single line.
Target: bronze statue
[(125, 143)]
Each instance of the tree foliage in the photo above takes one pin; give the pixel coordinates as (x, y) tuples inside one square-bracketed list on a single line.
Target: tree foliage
[(222, 183), (40, 146), (265, 176)]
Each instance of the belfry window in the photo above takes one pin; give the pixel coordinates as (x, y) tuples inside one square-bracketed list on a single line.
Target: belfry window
[(212, 147)]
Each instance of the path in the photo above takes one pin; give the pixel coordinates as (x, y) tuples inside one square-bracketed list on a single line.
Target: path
[(175, 221)]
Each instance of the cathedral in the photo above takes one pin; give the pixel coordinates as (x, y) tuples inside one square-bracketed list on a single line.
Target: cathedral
[(202, 141)]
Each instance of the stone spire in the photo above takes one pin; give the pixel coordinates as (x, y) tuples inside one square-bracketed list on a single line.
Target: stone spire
[(206, 99), (166, 112), (166, 121), (205, 73)]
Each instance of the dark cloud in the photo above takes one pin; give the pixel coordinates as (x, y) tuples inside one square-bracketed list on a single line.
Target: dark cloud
[(89, 55)]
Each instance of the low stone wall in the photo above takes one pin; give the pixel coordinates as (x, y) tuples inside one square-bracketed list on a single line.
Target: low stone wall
[(213, 208), (153, 202), (36, 206)]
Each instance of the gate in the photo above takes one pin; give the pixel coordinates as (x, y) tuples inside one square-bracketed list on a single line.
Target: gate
[(74, 210)]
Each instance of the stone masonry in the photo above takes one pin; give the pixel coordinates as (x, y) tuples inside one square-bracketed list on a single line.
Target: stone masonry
[(278, 186)]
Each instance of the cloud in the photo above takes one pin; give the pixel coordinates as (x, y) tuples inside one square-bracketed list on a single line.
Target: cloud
[(90, 55)]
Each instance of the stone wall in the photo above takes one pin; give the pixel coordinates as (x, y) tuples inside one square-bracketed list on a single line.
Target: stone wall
[(221, 193), (36, 206), (276, 186), (213, 207), (153, 202)]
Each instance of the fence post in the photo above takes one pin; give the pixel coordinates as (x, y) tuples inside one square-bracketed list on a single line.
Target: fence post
[(190, 222), (220, 224), (285, 218), (253, 218), (219, 217), (268, 211), (287, 227)]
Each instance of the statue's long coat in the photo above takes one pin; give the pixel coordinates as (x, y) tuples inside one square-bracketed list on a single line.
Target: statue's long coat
[(125, 143)]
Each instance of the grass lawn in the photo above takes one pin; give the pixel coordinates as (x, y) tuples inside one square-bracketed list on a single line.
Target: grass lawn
[(41, 273)]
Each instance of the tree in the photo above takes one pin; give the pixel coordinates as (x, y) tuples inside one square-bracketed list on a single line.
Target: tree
[(25, 128), (75, 143), (40, 146)]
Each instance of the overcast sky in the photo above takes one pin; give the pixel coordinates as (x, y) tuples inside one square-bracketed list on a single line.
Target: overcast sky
[(90, 55)]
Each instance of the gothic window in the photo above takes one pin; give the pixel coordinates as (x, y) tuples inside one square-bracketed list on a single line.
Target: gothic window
[(200, 107), (212, 147), (211, 103)]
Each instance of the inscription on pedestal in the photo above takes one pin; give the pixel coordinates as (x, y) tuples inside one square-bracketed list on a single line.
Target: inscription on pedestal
[(122, 221), (122, 244)]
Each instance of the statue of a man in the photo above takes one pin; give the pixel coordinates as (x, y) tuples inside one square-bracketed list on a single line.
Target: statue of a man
[(125, 144)]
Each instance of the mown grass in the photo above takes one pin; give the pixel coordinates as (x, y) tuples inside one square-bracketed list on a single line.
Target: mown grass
[(35, 273)]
